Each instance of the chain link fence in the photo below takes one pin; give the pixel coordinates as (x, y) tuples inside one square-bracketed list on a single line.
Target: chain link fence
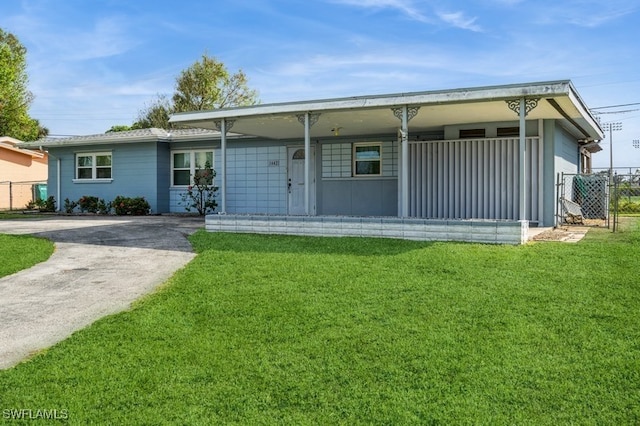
[(625, 196), (597, 199), (583, 199), (17, 195)]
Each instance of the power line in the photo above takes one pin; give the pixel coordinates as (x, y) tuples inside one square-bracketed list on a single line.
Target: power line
[(616, 112), (616, 106)]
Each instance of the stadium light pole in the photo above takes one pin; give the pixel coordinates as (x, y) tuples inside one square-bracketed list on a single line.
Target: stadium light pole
[(611, 127), (636, 143)]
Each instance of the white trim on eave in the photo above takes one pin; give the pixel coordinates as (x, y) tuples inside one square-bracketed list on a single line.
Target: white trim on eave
[(584, 111), (491, 93)]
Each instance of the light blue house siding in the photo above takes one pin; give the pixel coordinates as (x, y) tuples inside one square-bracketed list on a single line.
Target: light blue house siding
[(561, 155), (257, 179), (339, 193), (451, 176), (136, 172), (163, 177), (448, 178), (174, 194), (256, 176)]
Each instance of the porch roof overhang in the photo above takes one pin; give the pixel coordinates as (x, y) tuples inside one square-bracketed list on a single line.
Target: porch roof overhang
[(372, 115)]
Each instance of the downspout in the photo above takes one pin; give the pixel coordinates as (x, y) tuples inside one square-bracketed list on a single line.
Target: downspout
[(58, 186)]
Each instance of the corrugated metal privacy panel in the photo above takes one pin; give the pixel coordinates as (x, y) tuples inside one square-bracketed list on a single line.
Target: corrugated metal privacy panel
[(474, 178)]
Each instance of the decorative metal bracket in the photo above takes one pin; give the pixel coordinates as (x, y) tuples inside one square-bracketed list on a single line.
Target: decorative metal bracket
[(228, 124), (313, 118), (411, 112), (529, 105)]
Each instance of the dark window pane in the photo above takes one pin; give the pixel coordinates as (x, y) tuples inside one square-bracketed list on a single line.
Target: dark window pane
[(472, 133), (298, 155), (181, 177), (103, 173), (85, 161), (182, 160), (367, 167), (103, 160), (508, 131), (84, 174)]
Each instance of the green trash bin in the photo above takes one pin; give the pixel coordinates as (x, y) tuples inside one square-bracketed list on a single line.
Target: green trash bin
[(40, 191)]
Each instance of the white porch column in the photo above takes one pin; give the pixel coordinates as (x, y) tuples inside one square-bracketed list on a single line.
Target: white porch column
[(404, 114), (307, 163), (522, 107), (404, 212), (522, 161), (223, 166), (223, 126), (307, 119)]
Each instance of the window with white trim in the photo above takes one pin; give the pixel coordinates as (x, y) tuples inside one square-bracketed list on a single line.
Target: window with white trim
[(93, 166), (184, 165), (367, 159)]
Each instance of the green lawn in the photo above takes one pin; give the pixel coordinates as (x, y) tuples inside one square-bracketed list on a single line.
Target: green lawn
[(19, 252), (8, 215), (294, 330)]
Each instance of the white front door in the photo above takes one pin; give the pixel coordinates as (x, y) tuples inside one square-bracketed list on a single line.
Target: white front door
[(296, 181)]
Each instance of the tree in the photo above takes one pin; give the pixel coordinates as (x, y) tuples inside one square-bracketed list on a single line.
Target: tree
[(119, 128), (15, 98), (155, 114), (205, 85)]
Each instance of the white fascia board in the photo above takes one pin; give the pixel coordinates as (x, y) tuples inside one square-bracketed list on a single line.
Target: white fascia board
[(547, 89), (585, 112), (100, 141)]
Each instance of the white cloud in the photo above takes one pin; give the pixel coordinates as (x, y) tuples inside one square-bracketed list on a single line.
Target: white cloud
[(404, 6), (587, 13), (459, 20), (408, 8)]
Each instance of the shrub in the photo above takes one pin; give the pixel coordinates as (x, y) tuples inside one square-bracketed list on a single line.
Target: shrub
[(104, 207), (136, 206), (69, 206), (48, 205), (88, 203), (628, 207), (201, 195)]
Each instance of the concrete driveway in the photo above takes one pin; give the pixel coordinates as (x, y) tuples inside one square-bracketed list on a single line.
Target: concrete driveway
[(99, 267)]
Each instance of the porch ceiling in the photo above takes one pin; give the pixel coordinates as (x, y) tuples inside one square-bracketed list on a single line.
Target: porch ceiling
[(356, 116)]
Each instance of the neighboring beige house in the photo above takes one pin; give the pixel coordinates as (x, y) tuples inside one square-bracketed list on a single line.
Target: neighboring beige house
[(20, 170)]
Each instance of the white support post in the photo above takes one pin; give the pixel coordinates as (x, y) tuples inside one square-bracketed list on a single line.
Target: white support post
[(223, 166), (541, 148), (307, 163), (404, 169), (522, 161)]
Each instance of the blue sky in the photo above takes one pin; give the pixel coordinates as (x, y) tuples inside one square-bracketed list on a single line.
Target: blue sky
[(94, 64)]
